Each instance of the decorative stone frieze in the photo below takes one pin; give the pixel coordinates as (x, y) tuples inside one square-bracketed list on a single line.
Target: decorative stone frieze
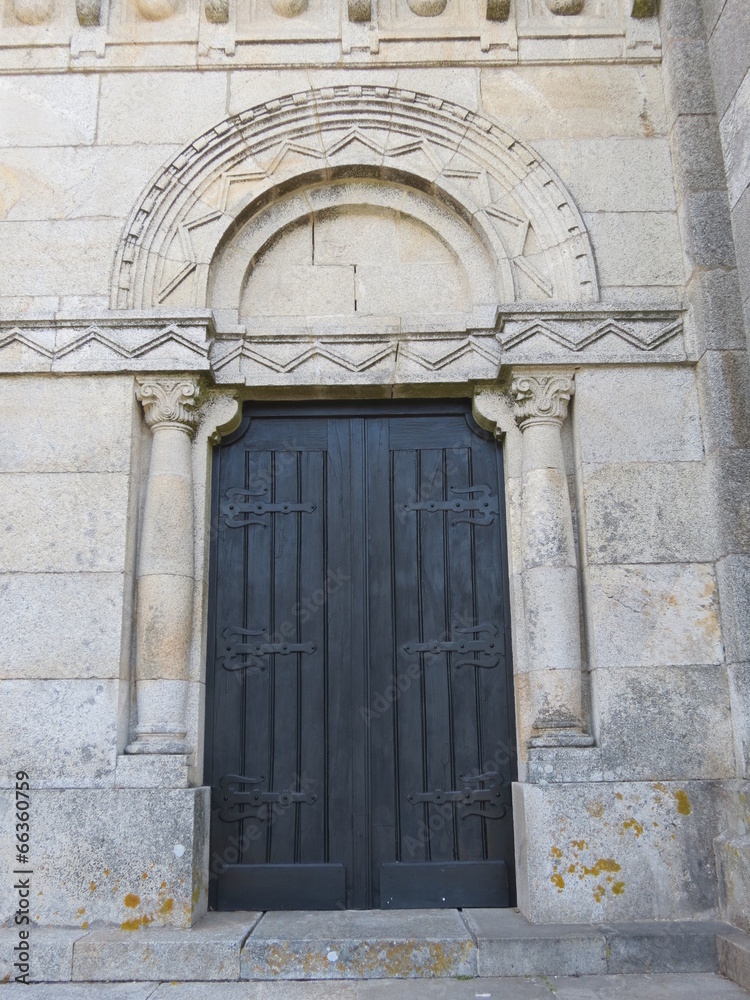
[(156, 10), (565, 7), (359, 11), (427, 8), (289, 8), (165, 567), (549, 563), (644, 8), (217, 11), (33, 11), (498, 10), (89, 12)]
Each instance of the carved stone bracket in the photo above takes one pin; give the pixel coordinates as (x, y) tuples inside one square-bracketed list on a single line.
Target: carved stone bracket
[(359, 11), (89, 12), (549, 563), (498, 10)]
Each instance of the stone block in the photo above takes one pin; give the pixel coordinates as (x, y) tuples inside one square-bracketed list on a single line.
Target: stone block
[(724, 391), (734, 958), (637, 415), (63, 624), (150, 107), (697, 154), (682, 20), (665, 723), (208, 951), (64, 523), (741, 230), (62, 732), (508, 945), (733, 577), (729, 472), (160, 770), (739, 697), (48, 110), (602, 852), (653, 615), (649, 512), (299, 290), (51, 951), (614, 175), (636, 248), (717, 317), (359, 944), (285, 990), (564, 764), (97, 414), (413, 289), (687, 79), (131, 857), (730, 51), (50, 258), (706, 230), (76, 182), (671, 947), (579, 102), (736, 141)]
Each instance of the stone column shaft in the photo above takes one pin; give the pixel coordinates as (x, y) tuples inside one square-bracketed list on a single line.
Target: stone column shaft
[(549, 570), (164, 607)]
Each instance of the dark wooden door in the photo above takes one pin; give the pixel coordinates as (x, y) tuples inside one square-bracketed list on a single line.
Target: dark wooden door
[(359, 687)]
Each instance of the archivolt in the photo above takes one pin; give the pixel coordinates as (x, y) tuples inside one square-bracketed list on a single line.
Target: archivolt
[(498, 184)]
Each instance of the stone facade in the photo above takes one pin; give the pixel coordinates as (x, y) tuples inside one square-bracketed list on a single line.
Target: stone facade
[(539, 204)]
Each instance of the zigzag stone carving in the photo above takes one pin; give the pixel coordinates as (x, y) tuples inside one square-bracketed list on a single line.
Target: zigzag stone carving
[(471, 163)]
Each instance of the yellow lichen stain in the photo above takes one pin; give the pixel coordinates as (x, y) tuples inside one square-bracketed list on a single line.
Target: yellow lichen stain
[(81, 912), (599, 893), (106, 871), (571, 869), (132, 900), (618, 795), (595, 809), (655, 823), (683, 803), (556, 852), (136, 923), (557, 880), (618, 888), (167, 906), (602, 865), (580, 845), (84, 925), (92, 886), (634, 825), (659, 787), (164, 885), (145, 875)]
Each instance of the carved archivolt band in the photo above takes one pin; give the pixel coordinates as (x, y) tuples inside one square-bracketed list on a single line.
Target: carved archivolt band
[(470, 162)]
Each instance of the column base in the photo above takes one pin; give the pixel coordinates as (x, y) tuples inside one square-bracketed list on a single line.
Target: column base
[(561, 738), (157, 744)]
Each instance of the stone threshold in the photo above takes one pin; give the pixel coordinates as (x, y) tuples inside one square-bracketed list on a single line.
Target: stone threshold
[(380, 944)]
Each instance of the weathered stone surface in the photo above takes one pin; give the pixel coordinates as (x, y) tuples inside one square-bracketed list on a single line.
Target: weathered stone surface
[(734, 958), (634, 248), (54, 110), (89, 869), (508, 945), (638, 415), (616, 851), (97, 414), (355, 944), (76, 745), (51, 950), (663, 947), (210, 950), (646, 731), (64, 523), (63, 624), (653, 615)]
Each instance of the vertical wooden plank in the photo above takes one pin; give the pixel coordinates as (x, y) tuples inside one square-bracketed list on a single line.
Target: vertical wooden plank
[(437, 709), (379, 714), (339, 651), (410, 731)]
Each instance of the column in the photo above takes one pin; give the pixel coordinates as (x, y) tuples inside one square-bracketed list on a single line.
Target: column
[(549, 568), (164, 606)]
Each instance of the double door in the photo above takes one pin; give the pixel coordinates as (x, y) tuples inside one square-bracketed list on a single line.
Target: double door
[(360, 737)]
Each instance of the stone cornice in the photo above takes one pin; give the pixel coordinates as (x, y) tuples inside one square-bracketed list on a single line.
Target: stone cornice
[(350, 352)]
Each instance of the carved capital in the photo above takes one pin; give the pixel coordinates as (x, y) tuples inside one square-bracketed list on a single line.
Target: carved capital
[(170, 402), (541, 398)]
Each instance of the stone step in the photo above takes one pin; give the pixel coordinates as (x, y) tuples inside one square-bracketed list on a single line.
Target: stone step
[(381, 944)]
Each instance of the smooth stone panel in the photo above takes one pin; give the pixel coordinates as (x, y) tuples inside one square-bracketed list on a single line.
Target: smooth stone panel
[(62, 732), (359, 944), (647, 987), (97, 415), (734, 957), (68, 522), (49, 110), (62, 624), (133, 858), (649, 512), (670, 946), (653, 615), (51, 953), (638, 415), (665, 722), (636, 248), (617, 851), (208, 951)]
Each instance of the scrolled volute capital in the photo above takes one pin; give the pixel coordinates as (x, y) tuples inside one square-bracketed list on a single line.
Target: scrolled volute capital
[(169, 402), (541, 398)]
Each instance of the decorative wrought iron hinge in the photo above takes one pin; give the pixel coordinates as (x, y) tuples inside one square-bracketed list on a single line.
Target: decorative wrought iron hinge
[(479, 801), (236, 804), (240, 507), (488, 646), (235, 649), (485, 502)]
